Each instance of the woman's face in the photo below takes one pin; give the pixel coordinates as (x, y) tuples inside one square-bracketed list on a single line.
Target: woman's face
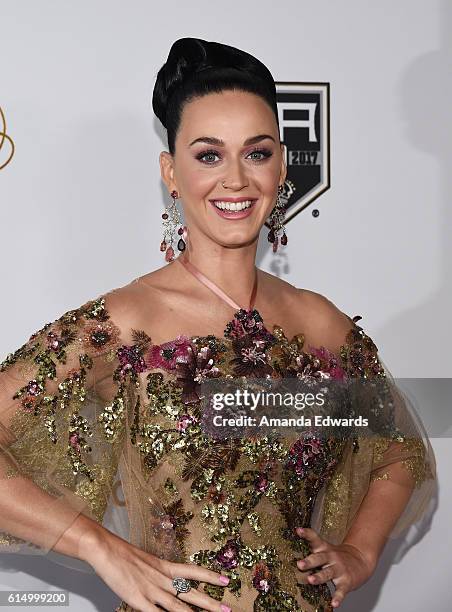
[(233, 137)]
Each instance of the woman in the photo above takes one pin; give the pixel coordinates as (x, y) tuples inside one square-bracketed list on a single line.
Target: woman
[(100, 410)]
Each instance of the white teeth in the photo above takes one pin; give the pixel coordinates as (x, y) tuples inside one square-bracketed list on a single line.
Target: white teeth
[(234, 206)]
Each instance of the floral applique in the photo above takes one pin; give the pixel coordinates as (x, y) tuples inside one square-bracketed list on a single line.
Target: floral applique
[(99, 336), (314, 366), (329, 362), (165, 355), (176, 519), (250, 343), (193, 369), (359, 354), (191, 364), (245, 323)]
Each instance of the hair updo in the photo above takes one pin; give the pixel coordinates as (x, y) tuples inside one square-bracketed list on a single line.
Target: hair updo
[(197, 67)]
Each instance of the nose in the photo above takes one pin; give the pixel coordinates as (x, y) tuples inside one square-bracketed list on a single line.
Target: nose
[(236, 176)]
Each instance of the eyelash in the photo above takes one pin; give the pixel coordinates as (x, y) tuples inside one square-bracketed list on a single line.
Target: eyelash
[(265, 152)]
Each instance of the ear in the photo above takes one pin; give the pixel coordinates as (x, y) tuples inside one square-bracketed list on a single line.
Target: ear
[(167, 170), (283, 172)]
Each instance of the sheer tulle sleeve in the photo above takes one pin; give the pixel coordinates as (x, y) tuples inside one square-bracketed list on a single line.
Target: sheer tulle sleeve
[(71, 400), (59, 441), (395, 447)]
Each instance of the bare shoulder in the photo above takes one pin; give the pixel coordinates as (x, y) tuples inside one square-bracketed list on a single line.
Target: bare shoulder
[(157, 303), (128, 306), (276, 288), (305, 311), (323, 322), (320, 308), (118, 305)]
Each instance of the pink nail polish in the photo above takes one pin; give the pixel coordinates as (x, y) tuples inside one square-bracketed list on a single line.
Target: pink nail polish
[(224, 580), (225, 608)]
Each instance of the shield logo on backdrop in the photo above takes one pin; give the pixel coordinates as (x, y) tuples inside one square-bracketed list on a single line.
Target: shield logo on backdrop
[(304, 122)]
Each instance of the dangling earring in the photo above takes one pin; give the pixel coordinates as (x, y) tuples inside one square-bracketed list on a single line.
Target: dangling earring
[(171, 219), (277, 222)]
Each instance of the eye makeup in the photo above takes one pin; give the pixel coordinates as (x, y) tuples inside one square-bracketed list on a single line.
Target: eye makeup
[(266, 153)]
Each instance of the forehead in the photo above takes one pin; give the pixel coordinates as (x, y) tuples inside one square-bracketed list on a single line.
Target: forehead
[(226, 114)]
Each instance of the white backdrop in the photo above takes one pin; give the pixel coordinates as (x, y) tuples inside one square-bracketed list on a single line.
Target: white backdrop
[(82, 197)]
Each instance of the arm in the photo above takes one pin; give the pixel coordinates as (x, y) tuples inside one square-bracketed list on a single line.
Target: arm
[(378, 513), (19, 518), (48, 424), (395, 473), (351, 563), (384, 482)]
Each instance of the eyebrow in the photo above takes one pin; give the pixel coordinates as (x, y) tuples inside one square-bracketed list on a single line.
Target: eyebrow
[(219, 143)]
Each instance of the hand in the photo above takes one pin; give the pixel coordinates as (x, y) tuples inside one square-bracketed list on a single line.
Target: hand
[(143, 580), (347, 566)]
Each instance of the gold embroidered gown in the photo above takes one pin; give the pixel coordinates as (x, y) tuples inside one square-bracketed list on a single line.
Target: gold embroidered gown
[(105, 422)]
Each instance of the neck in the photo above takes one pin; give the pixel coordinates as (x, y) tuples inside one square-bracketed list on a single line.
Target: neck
[(233, 270)]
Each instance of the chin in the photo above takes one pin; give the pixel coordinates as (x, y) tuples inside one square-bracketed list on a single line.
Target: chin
[(236, 242)]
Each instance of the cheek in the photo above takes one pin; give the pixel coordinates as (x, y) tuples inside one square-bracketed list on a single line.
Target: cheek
[(196, 182), (267, 176)]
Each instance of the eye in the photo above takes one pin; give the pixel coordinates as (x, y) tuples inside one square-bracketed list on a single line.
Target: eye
[(262, 152), (204, 154)]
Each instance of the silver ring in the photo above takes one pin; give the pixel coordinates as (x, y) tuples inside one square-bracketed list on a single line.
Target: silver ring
[(181, 585)]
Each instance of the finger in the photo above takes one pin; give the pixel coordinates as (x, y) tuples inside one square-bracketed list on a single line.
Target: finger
[(169, 602), (197, 572), (194, 595), (313, 560), (146, 606), (338, 597), (311, 536), (155, 604), (325, 574), (203, 601)]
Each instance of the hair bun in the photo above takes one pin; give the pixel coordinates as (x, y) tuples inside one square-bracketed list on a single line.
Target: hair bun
[(188, 56)]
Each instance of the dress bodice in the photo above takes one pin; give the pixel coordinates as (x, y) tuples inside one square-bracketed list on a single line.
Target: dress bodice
[(234, 504)]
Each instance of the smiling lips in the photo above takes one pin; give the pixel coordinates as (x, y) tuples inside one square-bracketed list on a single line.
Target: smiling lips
[(234, 208)]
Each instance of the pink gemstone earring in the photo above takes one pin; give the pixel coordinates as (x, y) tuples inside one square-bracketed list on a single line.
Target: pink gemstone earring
[(171, 219), (277, 222)]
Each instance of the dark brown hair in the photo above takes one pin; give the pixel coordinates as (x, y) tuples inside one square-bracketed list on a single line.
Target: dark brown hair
[(197, 67)]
